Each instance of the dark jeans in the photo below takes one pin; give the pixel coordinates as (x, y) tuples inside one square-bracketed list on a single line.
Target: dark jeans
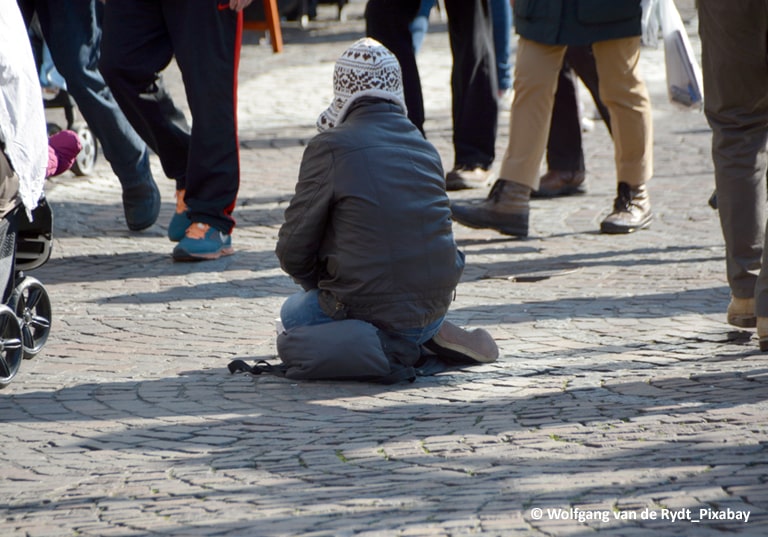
[(473, 78), (501, 11), (564, 148), (473, 82), (388, 21), (140, 39), (72, 30)]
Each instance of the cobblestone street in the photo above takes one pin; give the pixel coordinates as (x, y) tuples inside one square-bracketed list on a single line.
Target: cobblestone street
[(622, 403)]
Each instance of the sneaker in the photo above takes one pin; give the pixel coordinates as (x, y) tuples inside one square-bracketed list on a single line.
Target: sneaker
[(179, 223), (741, 312), (201, 242), (141, 205), (465, 177), (452, 341), (631, 211)]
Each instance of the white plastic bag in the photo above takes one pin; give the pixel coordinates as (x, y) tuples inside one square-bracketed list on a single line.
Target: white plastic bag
[(650, 23), (684, 85)]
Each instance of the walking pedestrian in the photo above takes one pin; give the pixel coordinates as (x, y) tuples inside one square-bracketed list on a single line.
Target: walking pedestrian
[(734, 45), (72, 31), (474, 88), (546, 28), (140, 39)]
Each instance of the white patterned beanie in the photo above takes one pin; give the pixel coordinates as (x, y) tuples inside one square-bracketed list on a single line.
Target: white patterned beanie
[(366, 69)]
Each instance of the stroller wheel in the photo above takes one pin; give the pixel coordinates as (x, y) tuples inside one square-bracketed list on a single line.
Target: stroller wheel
[(11, 350), (86, 159), (33, 309)]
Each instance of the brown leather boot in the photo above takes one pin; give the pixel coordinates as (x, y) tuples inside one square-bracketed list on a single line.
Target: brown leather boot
[(741, 312), (556, 183), (505, 209), (762, 333), (631, 210)]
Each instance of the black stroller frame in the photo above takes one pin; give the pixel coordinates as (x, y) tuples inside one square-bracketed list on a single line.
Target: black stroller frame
[(86, 158), (25, 312)]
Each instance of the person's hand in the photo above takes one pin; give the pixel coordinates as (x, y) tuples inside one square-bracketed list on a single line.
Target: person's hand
[(239, 5)]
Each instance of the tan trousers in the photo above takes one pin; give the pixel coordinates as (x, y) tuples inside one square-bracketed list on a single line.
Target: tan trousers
[(621, 89)]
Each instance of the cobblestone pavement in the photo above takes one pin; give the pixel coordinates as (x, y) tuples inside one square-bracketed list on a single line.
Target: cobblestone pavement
[(622, 403)]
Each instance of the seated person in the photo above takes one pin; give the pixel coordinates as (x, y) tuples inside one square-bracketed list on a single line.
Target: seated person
[(368, 232)]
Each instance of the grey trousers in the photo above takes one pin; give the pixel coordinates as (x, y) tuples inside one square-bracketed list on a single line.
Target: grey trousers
[(734, 38)]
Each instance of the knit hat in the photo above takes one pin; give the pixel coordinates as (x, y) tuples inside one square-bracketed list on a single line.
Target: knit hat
[(367, 68)]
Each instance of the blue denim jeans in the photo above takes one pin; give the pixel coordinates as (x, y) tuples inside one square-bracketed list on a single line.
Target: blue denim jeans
[(420, 24), (303, 308), (501, 13), (72, 30)]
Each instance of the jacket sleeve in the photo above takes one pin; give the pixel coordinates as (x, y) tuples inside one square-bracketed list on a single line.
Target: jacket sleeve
[(306, 217)]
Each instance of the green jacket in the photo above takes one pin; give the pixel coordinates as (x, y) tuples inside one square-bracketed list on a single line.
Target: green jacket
[(576, 22)]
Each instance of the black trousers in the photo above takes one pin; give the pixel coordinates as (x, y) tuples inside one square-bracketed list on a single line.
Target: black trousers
[(474, 86), (388, 21), (140, 38), (72, 31), (564, 147)]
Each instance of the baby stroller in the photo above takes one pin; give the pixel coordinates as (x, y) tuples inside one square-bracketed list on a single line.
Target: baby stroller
[(56, 96), (86, 159), (25, 311)]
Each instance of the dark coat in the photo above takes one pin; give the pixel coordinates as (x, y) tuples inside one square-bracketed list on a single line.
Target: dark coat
[(370, 222), (577, 22)]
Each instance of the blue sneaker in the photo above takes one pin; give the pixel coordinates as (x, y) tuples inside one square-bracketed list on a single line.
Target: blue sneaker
[(179, 223), (202, 242)]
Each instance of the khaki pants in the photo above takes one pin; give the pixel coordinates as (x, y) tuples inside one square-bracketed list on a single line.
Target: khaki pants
[(621, 89)]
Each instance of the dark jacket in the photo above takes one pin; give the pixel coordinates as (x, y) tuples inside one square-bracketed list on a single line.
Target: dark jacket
[(577, 22), (370, 223)]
